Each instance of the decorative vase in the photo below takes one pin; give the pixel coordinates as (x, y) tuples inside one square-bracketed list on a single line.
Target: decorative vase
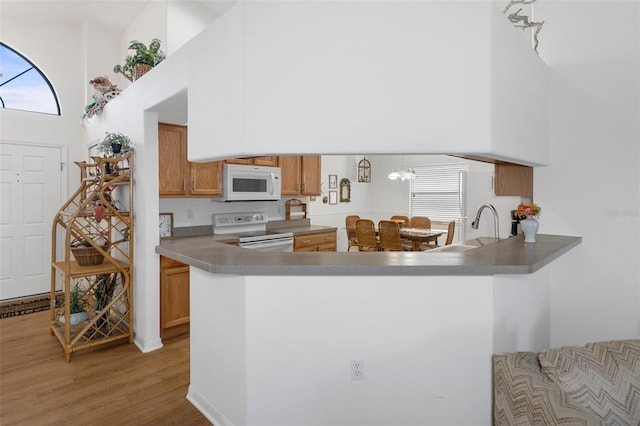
[(530, 228)]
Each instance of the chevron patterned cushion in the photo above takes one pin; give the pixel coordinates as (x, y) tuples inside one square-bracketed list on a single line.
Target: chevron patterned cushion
[(601, 377), (524, 396)]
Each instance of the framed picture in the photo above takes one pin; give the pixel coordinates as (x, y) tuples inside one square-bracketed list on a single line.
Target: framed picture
[(333, 181), (166, 225), (333, 197)]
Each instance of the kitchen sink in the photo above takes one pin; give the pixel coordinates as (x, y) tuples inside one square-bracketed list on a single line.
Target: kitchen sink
[(480, 241), (468, 245), (452, 248)]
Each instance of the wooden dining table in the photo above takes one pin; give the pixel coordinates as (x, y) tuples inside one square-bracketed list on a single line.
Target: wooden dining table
[(418, 236)]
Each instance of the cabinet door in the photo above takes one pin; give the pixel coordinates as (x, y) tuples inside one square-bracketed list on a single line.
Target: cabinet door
[(290, 166), (270, 161), (172, 160), (245, 161), (174, 296), (322, 241), (206, 178), (514, 179), (310, 169)]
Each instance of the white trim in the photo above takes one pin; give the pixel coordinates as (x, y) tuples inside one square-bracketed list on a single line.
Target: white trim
[(208, 410)]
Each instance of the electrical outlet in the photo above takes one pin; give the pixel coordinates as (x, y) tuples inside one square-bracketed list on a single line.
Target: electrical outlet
[(190, 210), (357, 369)]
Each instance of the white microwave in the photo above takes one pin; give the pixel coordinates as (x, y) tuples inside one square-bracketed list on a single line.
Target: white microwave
[(250, 183)]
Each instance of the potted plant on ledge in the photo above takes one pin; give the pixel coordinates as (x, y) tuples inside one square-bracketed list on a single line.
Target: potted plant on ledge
[(142, 61)]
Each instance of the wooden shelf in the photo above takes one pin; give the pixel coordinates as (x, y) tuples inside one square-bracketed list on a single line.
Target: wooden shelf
[(105, 267), (104, 291)]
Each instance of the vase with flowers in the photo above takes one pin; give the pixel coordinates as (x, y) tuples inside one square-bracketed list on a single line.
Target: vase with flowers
[(528, 216)]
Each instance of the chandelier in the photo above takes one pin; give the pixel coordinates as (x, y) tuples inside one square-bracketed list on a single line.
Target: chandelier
[(403, 174)]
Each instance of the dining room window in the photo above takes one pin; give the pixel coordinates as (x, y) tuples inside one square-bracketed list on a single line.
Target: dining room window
[(436, 192), (23, 86)]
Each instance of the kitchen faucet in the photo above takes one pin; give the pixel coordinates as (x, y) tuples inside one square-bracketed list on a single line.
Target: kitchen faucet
[(476, 222)]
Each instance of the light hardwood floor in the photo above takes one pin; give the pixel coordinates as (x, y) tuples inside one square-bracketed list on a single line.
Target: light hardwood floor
[(116, 385)]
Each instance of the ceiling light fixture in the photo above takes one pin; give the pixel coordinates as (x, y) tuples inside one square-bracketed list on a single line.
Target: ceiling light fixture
[(403, 174)]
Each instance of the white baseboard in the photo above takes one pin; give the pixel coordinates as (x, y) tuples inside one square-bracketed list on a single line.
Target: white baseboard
[(150, 346), (207, 409)]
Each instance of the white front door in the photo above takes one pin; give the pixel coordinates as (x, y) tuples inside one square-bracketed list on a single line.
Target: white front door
[(30, 196)]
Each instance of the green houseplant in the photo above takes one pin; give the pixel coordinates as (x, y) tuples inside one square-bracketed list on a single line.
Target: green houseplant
[(113, 142), (77, 314), (144, 58)]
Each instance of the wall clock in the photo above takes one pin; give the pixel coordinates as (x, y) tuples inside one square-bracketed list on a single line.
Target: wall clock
[(166, 225)]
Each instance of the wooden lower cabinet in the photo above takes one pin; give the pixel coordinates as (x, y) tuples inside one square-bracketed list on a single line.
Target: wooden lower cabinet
[(174, 293), (321, 241)]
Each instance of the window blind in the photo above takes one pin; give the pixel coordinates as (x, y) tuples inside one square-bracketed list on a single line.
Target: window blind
[(436, 191)]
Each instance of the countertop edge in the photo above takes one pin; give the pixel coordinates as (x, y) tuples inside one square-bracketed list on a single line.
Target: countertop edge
[(510, 256)]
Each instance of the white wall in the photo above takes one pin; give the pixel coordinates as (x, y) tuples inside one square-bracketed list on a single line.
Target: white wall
[(64, 68), (426, 343), (276, 82), (592, 186)]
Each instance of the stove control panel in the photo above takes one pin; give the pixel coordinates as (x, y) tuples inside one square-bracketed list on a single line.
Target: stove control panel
[(223, 220)]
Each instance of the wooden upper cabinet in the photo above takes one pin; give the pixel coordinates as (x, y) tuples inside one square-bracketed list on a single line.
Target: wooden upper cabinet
[(245, 161), (269, 161), (173, 166), (177, 177), (311, 174), (290, 169), (206, 178), (514, 180)]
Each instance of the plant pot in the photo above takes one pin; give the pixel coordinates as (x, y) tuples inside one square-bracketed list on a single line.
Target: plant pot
[(76, 318), (116, 148), (139, 70)]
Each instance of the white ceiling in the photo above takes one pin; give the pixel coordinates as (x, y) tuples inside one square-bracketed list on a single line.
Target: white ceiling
[(115, 15)]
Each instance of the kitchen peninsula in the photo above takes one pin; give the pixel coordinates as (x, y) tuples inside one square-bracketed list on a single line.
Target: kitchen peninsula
[(424, 325), (509, 256)]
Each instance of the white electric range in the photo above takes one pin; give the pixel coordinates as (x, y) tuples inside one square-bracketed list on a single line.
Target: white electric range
[(251, 230)]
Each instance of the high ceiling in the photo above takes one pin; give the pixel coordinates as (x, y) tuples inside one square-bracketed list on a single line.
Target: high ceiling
[(115, 15)]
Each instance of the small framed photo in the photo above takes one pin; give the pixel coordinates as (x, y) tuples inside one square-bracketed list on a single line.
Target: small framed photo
[(333, 197), (166, 225), (333, 181)]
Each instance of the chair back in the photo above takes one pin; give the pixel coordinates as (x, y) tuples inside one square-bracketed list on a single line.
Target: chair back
[(366, 235), (451, 228), (420, 222), (400, 217), (389, 232), (350, 225)]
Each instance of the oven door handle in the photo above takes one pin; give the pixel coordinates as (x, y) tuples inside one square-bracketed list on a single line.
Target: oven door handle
[(269, 245)]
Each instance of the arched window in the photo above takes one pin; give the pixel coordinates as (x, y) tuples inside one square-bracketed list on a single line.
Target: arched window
[(23, 86)]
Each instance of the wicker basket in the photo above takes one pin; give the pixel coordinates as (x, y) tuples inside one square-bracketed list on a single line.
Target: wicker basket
[(87, 256)]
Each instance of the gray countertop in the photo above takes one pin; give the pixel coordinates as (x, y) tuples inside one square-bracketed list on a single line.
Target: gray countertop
[(509, 256)]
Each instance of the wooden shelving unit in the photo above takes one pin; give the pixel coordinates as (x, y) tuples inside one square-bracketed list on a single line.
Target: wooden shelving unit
[(105, 289)]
